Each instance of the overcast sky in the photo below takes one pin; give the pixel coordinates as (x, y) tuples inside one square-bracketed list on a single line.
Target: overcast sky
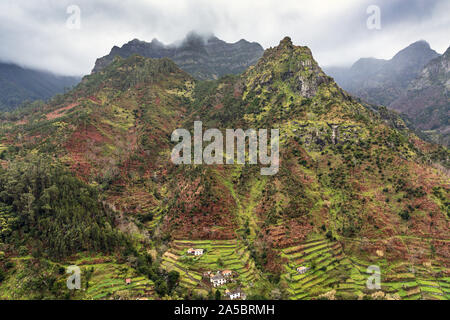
[(35, 33)]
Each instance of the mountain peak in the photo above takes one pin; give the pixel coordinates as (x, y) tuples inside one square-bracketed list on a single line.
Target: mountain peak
[(286, 43), (135, 42), (418, 52), (341, 169), (447, 52), (420, 43), (286, 46), (204, 56), (196, 39), (292, 65), (156, 42)]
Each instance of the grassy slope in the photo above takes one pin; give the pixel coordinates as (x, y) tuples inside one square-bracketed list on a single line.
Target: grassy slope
[(117, 136)]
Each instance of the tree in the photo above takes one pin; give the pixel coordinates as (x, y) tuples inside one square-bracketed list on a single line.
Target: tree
[(172, 279), (46, 206), (161, 287), (2, 275), (218, 296)]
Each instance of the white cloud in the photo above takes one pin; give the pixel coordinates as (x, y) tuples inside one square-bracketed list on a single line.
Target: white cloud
[(34, 33)]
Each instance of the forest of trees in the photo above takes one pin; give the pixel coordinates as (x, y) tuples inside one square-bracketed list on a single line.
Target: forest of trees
[(46, 210)]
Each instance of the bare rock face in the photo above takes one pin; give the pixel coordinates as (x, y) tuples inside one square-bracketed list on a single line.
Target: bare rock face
[(379, 81), (427, 99), (205, 58), (415, 82)]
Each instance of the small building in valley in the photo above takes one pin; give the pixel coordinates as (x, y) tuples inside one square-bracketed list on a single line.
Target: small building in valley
[(235, 294), (218, 279), (195, 252)]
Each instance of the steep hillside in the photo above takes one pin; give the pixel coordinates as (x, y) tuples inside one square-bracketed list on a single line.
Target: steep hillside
[(427, 99), (412, 83), (380, 81), (19, 84), (205, 58), (354, 188), (108, 132)]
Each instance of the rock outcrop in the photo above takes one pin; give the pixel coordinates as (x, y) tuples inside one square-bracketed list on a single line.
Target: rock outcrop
[(380, 81), (427, 100), (205, 58)]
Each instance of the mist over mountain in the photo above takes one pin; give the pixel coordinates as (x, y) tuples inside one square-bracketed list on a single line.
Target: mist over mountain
[(18, 84), (97, 188), (426, 101), (381, 81), (414, 82), (224, 163), (204, 57)]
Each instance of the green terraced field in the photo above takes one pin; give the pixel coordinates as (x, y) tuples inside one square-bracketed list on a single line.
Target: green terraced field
[(324, 259), (332, 270), (108, 281), (101, 278), (218, 255)]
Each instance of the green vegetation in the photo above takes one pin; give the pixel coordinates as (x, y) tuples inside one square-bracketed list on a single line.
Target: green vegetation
[(45, 206), (355, 188)]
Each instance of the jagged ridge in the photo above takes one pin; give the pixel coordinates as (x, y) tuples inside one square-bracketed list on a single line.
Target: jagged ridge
[(203, 57)]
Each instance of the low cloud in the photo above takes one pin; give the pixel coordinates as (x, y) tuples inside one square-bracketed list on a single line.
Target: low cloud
[(35, 34)]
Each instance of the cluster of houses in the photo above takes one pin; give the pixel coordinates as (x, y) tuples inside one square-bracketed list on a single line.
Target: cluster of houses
[(195, 252), (219, 278), (222, 277)]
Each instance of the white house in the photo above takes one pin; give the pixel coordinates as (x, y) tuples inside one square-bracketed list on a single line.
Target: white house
[(218, 280), (234, 294), (195, 252), (198, 252)]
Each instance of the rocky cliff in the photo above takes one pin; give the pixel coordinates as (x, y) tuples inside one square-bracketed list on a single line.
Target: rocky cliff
[(414, 82), (205, 58), (427, 100)]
